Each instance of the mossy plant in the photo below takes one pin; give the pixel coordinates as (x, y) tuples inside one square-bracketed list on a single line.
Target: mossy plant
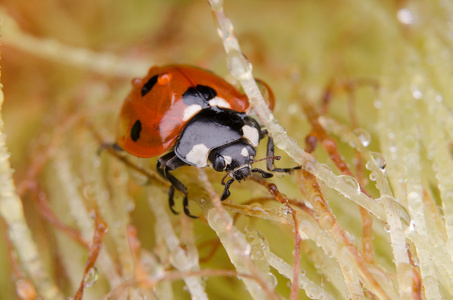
[(364, 106)]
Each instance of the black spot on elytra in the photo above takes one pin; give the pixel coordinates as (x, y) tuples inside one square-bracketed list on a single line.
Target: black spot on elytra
[(199, 95), (149, 85), (136, 130)]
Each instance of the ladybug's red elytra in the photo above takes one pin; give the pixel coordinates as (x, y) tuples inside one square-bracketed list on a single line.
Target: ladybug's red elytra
[(195, 118)]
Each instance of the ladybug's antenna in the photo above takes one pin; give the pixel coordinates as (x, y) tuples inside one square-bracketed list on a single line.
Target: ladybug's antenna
[(267, 157)]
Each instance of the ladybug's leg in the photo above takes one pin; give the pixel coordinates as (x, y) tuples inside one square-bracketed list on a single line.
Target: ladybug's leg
[(162, 169), (105, 146), (270, 161), (171, 201), (263, 173), (165, 164)]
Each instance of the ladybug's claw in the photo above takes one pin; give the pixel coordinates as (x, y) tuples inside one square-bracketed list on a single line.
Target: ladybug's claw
[(165, 164), (185, 204), (226, 192), (171, 201)]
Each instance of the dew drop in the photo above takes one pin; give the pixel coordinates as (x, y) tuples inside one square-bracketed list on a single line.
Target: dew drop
[(216, 5), (273, 280), (224, 27), (256, 207), (257, 254), (351, 181), (231, 44), (302, 284), (312, 291), (215, 218), (318, 202), (90, 277), (310, 167), (284, 210), (379, 159), (412, 226), (250, 238), (255, 239), (238, 65), (364, 136), (403, 213), (326, 220)]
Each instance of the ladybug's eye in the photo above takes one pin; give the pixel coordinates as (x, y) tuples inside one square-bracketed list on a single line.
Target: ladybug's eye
[(219, 163)]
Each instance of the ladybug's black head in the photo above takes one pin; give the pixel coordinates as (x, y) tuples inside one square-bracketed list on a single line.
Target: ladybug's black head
[(235, 158), (241, 172)]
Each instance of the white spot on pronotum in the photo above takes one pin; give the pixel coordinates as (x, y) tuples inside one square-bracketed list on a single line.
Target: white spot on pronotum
[(219, 102), (198, 155), (244, 152), (190, 111), (228, 160), (251, 134)]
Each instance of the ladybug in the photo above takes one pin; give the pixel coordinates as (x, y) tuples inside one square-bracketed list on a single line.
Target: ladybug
[(196, 118)]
